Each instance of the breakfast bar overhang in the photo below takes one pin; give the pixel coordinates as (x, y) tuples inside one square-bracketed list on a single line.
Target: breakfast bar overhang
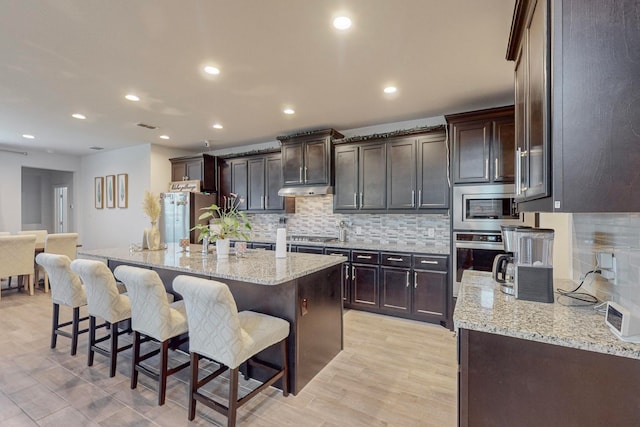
[(304, 289)]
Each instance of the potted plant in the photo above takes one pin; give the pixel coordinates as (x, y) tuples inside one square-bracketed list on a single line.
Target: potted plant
[(225, 222)]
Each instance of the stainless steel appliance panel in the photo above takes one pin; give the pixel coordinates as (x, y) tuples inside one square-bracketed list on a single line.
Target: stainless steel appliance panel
[(179, 214), (486, 207), (474, 251)]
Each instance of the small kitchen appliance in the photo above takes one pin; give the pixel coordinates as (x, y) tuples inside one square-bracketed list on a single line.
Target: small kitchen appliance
[(533, 262), (622, 322), (503, 264)]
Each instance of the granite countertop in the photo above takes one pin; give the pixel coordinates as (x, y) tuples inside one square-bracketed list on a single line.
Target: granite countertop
[(481, 306), (387, 247), (257, 266)]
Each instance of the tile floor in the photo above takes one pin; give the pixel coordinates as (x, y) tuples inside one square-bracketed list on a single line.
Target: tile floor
[(392, 372)]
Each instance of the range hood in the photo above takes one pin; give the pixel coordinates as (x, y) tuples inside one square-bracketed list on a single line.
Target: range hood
[(319, 190)]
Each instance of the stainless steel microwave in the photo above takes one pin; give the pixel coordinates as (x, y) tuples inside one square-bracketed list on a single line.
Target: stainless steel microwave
[(485, 207)]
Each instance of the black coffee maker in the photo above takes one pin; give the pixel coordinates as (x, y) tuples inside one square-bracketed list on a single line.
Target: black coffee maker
[(503, 264)]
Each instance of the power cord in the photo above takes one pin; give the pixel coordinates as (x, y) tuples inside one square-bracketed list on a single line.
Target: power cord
[(581, 296)]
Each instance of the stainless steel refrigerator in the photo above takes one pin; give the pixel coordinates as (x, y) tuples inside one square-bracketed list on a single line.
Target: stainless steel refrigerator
[(179, 214)]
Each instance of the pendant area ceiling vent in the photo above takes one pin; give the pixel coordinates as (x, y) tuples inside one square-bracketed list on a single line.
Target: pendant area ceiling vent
[(146, 126), (96, 148)]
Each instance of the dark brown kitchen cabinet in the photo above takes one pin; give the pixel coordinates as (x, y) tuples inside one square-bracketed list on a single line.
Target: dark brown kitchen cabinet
[(401, 174), (430, 288), (364, 280), (576, 96), (360, 178), (307, 158), (265, 179), (346, 273), (483, 145), (240, 181), (202, 167), (395, 282), (433, 172)]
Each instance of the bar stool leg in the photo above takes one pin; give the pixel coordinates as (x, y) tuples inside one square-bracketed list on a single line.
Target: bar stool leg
[(114, 349), (193, 385), (136, 359), (233, 398), (55, 324), (92, 339), (162, 386), (74, 330)]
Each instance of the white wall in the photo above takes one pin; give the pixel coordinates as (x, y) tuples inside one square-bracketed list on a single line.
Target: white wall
[(11, 182)]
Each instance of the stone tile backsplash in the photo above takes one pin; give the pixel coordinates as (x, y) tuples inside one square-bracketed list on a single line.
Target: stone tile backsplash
[(609, 232), (314, 216)]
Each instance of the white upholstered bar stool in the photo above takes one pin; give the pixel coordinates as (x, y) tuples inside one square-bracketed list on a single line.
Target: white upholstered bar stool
[(218, 332), (61, 244), (104, 301), (16, 258), (66, 289), (154, 317)]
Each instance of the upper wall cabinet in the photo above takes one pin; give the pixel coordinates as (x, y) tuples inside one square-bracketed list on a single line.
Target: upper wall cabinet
[(307, 158), (483, 146), (398, 172), (577, 103), (201, 167)]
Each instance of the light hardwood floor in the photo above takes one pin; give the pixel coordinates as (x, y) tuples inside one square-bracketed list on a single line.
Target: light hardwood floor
[(392, 372)]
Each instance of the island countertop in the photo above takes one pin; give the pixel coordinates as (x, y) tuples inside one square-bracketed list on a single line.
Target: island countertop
[(481, 306), (257, 266)]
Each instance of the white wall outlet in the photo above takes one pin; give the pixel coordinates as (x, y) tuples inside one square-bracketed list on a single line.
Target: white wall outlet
[(358, 230), (431, 232)]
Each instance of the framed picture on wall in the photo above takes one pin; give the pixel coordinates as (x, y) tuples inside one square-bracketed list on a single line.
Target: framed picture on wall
[(98, 195), (110, 191), (123, 197)]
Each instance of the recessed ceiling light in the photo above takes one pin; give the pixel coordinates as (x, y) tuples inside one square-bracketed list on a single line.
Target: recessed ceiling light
[(390, 89), (27, 136), (289, 111), (210, 69), (164, 137), (217, 126), (342, 23), (132, 97), (78, 116)]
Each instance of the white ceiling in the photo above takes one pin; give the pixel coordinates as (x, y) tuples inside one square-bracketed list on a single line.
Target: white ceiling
[(58, 57)]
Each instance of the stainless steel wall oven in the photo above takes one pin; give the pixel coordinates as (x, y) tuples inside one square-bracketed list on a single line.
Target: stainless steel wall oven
[(474, 251)]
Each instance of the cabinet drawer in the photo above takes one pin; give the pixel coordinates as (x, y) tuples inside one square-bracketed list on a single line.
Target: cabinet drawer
[(430, 262), (396, 259), (335, 251), (365, 257)]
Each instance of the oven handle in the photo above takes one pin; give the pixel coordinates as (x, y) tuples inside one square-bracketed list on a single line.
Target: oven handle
[(478, 245)]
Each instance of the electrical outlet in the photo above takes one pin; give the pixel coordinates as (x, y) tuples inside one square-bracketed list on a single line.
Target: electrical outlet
[(358, 230), (431, 232)]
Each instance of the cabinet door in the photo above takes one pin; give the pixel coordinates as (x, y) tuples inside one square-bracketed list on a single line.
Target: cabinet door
[(503, 150), (364, 291), (433, 182), (316, 162), (537, 153), (471, 144), (256, 184), (430, 295), (401, 174), (520, 113), (239, 180), (178, 172), (395, 289), (292, 163), (372, 177), (193, 169), (273, 183), (346, 179)]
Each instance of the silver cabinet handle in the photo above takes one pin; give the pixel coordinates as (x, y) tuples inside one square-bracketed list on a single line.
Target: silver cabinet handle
[(428, 262), (394, 259), (415, 280), (353, 272), (300, 180), (413, 198), (407, 279), (360, 201), (364, 256), (495, 169), (266, 201), (486, 168), (355, 200), (518, 171), (305, 174), (346, 272), (419, 198)]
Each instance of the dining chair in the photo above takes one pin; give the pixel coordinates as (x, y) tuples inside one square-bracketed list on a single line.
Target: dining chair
[(16, 259), (66, 289), (155, 318), (104, 301), (61, 244), (218, 332)]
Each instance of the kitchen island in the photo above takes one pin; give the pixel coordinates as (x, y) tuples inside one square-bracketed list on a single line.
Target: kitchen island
[(304, 289), (531, 364)]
